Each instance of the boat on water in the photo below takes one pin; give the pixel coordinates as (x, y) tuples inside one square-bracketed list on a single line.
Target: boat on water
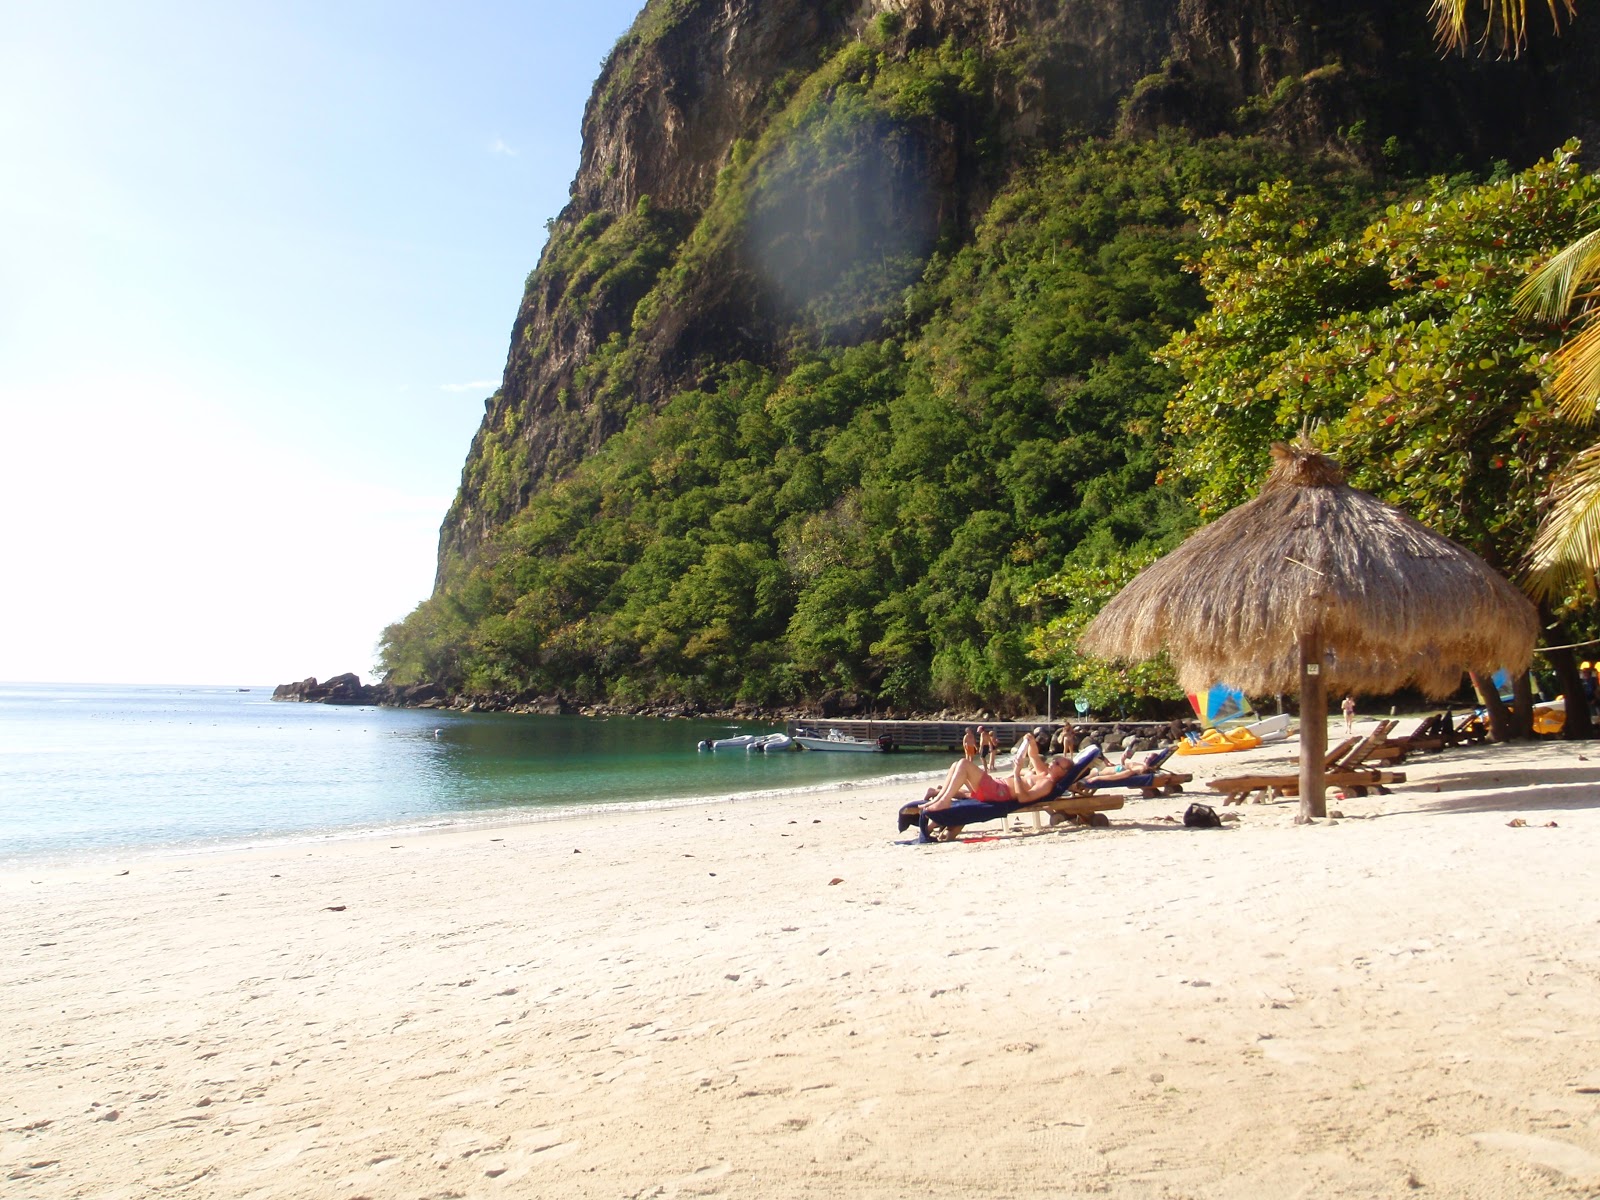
[(751, 742), (836, 741)]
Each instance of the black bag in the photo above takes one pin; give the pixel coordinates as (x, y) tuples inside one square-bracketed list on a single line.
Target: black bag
[(1201, 816)]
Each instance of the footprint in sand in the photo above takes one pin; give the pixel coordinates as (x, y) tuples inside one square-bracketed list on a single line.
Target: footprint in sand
[(1558, 1158), (697, 1183), (525, 1151)]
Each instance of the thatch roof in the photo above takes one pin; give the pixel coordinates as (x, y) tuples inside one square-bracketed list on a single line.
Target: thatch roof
[(1399, 604)]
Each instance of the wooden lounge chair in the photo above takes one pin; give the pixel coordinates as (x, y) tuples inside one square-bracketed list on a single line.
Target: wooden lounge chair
[(1386, 751), (1236, 789), (1366, 749), (1435, 733), (1352, 783), (1239, 788), (1082, 808)]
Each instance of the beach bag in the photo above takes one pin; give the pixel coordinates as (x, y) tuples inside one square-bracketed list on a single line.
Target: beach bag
[(1201, 816)]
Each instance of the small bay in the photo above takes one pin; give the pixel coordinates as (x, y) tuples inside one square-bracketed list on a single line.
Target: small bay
[(87, 769)]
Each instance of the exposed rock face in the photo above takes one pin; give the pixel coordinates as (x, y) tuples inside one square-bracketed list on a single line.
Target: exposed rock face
[(702, 230), (348, 689)]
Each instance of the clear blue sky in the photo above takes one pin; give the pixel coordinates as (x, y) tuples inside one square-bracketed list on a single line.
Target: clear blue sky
[(258, 268)]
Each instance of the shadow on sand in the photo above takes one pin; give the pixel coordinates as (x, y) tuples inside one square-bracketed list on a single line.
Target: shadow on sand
[(1513, 790)]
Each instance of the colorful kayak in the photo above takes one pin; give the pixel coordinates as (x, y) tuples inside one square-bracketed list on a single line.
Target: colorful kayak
[(1218, 741)]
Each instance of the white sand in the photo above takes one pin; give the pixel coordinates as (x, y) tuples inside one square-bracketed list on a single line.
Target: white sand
[(685, 1004)]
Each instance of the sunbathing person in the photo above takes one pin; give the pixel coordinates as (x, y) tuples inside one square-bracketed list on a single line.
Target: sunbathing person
[(1126, 768), (1031, 779)]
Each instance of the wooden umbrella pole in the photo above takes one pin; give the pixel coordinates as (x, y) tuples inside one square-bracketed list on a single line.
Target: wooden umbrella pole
[(1313, 726)]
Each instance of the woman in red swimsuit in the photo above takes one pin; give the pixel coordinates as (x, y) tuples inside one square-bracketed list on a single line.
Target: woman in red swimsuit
[(966, 778)]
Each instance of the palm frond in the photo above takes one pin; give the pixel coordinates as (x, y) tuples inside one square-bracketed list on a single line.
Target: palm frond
[(1576, 386), (1566, 553), (1505, 23), (1450, 23), (1551, 289)]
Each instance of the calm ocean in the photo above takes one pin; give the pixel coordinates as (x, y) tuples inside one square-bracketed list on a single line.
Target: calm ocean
[(86, 769)]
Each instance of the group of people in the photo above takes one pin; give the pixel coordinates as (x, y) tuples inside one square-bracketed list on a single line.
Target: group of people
[(982, 745), (1032, 777)]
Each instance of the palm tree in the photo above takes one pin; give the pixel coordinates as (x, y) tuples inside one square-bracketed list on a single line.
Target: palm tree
[(1565, 555), (1505, 22)]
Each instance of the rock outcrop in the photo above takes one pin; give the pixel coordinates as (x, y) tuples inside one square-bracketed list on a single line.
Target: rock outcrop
[(348, 689)]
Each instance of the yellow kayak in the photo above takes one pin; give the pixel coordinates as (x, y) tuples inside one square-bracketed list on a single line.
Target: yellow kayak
[(1217, 741), (1550, 718)]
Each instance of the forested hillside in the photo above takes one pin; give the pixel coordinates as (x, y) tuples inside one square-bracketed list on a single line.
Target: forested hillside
[(861, 359)]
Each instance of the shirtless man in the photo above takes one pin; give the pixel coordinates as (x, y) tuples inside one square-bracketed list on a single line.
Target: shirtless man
[(988, 746), (1031, 779)]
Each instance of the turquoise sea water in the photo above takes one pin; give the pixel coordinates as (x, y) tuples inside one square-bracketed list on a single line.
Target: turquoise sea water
[(87, 769)]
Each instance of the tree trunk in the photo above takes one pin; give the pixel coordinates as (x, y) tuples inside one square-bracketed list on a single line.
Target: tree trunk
[(1522, 705), (1489, 697), (1565, 663), (1313, 727)]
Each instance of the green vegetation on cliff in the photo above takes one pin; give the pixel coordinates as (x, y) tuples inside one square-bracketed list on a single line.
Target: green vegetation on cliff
[(871, 520), (857, 372)]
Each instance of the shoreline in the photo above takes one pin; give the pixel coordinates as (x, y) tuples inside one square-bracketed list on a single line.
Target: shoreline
[(441, 824), (781, 996)]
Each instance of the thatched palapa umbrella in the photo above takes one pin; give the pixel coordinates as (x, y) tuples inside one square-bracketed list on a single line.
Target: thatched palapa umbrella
[(1315, 585)]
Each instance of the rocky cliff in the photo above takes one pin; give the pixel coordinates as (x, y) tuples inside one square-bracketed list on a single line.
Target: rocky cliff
[(761, 172)]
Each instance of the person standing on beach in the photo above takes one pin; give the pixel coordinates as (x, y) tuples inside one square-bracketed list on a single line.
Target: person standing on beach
[(969, 744), (1349, 707), (988, 746)]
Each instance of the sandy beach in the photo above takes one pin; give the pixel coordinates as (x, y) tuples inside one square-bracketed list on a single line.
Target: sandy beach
[(787, 998)]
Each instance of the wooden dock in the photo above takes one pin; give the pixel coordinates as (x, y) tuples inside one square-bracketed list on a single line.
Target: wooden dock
[(946, 735)]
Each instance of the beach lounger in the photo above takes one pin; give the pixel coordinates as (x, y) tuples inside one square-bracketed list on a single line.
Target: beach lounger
[(1064, 803), (1386, 751), (1364, 750), (1237, 788), (1151, 782), (1264, 789), (1441, 731)]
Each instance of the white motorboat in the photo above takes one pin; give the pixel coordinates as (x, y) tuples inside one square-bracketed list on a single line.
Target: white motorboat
[(836, 741)]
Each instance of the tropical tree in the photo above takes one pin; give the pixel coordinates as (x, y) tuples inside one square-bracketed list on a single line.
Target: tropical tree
[(1505, 22), (1566, 553)]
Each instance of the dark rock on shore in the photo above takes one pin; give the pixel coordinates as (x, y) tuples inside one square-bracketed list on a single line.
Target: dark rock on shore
[(341, 689)]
